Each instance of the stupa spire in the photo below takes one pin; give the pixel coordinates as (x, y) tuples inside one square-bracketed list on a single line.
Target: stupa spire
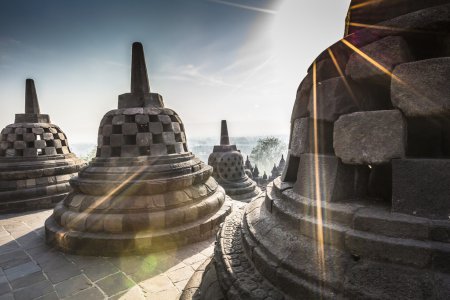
[(139, 77), (224, 138), (31, 100)]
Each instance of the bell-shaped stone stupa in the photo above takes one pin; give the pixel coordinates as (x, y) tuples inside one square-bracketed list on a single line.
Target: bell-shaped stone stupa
[(362, 208), (35, 160), (229, 169), (144, 191)]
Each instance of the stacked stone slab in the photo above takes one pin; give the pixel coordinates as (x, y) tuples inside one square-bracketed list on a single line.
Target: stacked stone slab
[(36, 163), (144, 191), (362, 208), (229, 169)]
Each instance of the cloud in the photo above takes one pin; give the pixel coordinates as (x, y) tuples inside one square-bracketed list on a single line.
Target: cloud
[(253, 8)]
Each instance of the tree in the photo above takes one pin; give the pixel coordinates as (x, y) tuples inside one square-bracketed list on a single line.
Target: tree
[(267, 151), (90, 155)]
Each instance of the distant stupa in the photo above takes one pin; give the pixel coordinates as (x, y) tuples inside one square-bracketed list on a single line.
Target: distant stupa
[(35, 160), (229, 169), (144, 191)]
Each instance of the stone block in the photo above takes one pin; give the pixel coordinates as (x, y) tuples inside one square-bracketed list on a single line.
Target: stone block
[(10, 153), (118, 120), (38, 130), (116, 140), (50, 151), (168, 138), (176, 127), (335, 97), (129, 151), (129, 128), (29, 137), (388, 52), (113, 223), (155, 127), (423, 89), (106, 130), (143, 139), (158, 149), (20, 145), (11, 137), (30, 152), (335, 180), (300, 109), (164, 119), (372, 137), (40, 144), (421, 187), (302, 138), (47, 136), (142, 119), (57, 143)]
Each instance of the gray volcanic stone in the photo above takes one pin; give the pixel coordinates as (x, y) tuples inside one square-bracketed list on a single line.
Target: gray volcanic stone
[(388, 52), (372, 137), (336, 98), (423, 89), (302, 137), (421, 187), (338, 181)]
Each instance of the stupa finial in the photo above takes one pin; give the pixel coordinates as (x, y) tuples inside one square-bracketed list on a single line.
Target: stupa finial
[(224, 139), (139, 77), (31, 100)]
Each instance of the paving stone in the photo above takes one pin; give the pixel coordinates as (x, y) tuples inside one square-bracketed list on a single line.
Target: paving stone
[(27, 280), (12, 259), (51, 296), (60, 271), (21, 270), (100, 269), (34, 291), (167, 294), (180, 274), (72, 286), (114, 284), (157, 284), (8, 296), (92, 293)]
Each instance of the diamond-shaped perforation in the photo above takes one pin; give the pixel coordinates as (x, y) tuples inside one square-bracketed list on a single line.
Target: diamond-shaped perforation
[(141, 134)]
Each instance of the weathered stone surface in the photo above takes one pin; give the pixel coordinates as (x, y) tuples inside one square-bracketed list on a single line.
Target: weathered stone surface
[(387, 52), (144, 191), (336, 97), (422, 89), (228, 169), (421, 187), (31, 151), (373, 137), (334, 180), (302, 137)]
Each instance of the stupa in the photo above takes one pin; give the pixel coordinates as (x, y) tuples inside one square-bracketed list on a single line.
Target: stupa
[(362, 208), (144, 191), (36, 163), (228, 165)]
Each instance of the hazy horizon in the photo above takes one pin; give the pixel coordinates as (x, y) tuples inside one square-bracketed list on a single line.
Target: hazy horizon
[(211, 60)]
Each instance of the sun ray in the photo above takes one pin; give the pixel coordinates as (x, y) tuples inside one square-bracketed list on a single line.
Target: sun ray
[(341, 73), (391, 28), (363, 4), (320, 239)]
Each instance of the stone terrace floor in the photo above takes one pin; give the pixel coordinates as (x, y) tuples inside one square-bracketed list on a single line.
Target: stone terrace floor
[(29, 269)]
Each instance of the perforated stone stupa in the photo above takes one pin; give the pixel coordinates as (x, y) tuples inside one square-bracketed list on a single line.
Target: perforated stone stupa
[(144, 191), (35, 160), (362, 208), (229, 169)]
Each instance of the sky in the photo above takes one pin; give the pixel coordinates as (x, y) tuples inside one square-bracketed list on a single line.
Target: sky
[(239, 60)]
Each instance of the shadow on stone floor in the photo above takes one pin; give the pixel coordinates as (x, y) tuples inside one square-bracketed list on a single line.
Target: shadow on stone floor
[(29, 269)]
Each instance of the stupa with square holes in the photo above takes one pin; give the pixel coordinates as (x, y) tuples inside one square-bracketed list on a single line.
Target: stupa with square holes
[(361, 210), (36, 163), (229, 169), (144, 191)]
